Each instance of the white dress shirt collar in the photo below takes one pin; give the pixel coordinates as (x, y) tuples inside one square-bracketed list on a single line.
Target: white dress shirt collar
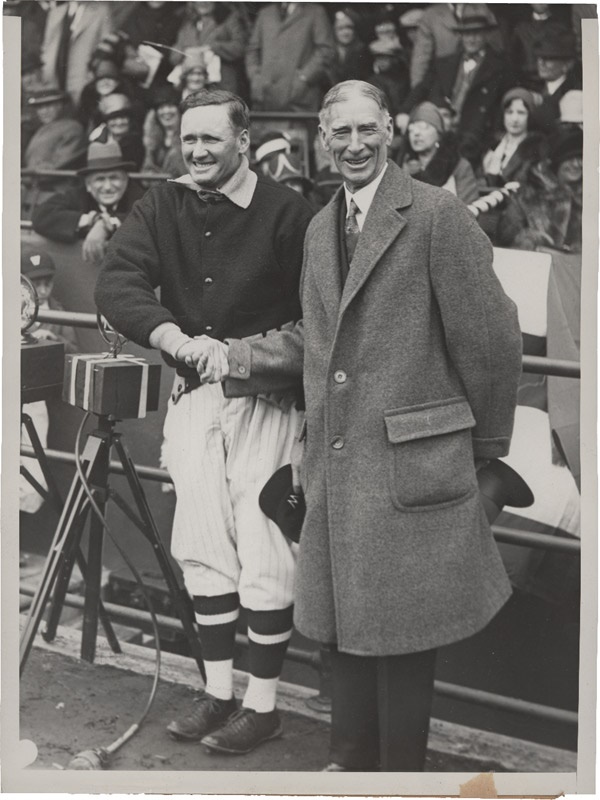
[(363, 197), (552, 86)]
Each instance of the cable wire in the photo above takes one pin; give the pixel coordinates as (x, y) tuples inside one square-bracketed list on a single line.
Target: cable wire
[(135, 727)]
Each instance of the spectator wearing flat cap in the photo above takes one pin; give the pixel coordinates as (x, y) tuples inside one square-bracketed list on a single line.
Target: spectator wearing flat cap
[(59, 142), (558, 71), (219, 30), (430, 154), (352, 57), (546, 211), (73, 30), (474, 80), (514, 149), (438, 37), (161, 134), (270, 147), (93, 211)]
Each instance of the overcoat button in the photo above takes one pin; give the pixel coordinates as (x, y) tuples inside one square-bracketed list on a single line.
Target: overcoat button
[(337, 442), (340, 376), (242, 369), (208, 234), (208, 328), (208, 281)]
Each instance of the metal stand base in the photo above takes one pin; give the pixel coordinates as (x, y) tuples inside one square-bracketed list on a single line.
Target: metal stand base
[(65, 550)]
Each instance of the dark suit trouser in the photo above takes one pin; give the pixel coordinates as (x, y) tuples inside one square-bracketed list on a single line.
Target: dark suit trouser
[(380, 710)]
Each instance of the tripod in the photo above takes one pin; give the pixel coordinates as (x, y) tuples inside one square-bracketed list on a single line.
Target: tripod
[(65, 550)]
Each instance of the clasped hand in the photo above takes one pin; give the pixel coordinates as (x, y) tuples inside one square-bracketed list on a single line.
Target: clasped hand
[(208, 356)]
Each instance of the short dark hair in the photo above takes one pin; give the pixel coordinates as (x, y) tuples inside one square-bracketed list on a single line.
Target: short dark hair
[(340, 91), (239, 113)]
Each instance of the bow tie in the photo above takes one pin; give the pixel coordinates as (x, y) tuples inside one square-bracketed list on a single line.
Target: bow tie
[(207, 196)]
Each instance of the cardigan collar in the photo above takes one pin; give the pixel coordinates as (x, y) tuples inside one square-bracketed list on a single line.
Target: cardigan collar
[(239, 188)]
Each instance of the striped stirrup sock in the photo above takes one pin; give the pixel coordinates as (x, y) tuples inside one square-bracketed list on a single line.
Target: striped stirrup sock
[(217, 622)]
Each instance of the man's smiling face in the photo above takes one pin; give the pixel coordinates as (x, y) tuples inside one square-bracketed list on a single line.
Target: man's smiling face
[(357, 133), (212, 149)]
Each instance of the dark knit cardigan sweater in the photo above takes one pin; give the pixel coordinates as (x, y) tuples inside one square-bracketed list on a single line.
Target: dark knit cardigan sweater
[(223, 270)]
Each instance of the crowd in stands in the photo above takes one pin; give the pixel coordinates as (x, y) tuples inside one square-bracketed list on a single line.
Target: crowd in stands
[(482, 95)]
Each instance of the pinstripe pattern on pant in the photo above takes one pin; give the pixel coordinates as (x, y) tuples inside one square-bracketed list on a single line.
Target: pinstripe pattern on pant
[(220, 452)]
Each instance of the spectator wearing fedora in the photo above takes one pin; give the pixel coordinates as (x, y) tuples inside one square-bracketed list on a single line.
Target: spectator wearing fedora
[(161, 134), (473, 80), (558, 72), (523, 42), (93, 211), (546, 211), (59, 142), (352, 57), (271, 146), (514, 149), (437, 36)]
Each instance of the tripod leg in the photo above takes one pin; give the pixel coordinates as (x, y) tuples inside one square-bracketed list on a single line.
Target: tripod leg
[(42, 461), (180, 597), (66, 532)]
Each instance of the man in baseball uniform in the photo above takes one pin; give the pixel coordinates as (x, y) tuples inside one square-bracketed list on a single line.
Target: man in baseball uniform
[(225, 247)]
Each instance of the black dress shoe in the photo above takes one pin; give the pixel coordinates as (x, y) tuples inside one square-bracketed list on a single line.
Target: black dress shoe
[(208, 714), (244, 731)]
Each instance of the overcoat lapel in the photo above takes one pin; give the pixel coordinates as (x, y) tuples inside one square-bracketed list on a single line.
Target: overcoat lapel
[(381, 227)]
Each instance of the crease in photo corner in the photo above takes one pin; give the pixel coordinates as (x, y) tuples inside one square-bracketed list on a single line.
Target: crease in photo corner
[(16, 779)]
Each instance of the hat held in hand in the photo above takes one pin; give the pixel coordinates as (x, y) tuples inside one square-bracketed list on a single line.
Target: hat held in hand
[(282, 505), (499, 486)]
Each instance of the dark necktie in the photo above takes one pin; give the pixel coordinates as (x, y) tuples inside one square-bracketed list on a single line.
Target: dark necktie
[(209, 197), (351, 230), (62, 58)]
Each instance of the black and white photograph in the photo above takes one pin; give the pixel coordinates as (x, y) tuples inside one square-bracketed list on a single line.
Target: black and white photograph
[(301, 478)]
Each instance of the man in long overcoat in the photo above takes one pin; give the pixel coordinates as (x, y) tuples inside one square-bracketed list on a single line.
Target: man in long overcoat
[(411, 354), (287, 56)]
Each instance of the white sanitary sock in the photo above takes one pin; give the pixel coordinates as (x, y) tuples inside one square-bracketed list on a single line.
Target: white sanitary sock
[(219, 678), (260, 694)]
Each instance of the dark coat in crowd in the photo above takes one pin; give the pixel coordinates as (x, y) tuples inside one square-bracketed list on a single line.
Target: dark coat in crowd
[(546, 115), (60, 144), (446, 164), (522, 49), (541, 214), (57, 218), (481, 112), (287, 59), (395, 84), (89, 114), (353, 62), (529, 152)]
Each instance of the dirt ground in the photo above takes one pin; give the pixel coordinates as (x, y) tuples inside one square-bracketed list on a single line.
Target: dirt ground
[(68, 706)]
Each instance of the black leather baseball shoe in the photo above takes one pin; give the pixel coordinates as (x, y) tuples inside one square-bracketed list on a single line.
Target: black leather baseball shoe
[(244, 731), (208, 714)]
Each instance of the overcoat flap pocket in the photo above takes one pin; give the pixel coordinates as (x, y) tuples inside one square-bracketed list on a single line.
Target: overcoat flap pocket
[(431, 419)]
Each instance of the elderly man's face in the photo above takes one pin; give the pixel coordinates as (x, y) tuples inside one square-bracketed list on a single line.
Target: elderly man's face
[(473, 42), (357, 133), (551, 69), (107, 188), (211, 148)]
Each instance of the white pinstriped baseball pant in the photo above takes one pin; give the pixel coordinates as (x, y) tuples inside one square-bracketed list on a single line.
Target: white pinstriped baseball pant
[(220, 452)]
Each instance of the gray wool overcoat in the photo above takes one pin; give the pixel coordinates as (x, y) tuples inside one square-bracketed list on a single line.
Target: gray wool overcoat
[(410, 372)]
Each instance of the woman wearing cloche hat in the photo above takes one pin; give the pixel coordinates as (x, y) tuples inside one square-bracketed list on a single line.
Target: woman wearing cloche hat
[(431, 154)]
